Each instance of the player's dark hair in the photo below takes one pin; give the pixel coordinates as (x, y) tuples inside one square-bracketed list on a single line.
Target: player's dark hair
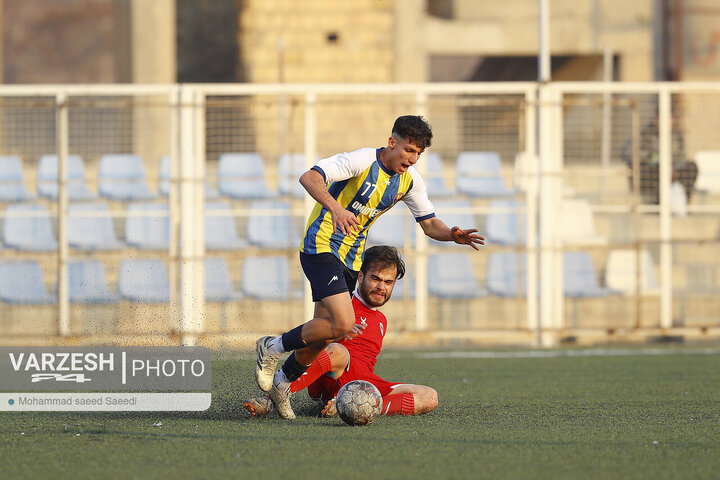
[(383, 256), (415, 129)]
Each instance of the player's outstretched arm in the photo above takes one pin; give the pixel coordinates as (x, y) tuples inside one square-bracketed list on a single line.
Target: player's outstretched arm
[(436, 229), (343, 220)]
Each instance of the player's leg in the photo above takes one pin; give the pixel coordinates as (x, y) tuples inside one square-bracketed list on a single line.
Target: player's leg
[(301, 359), (332, 360), (333, 318), (409, 399)]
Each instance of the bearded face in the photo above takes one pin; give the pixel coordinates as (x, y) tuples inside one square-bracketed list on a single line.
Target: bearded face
[(377, 284)]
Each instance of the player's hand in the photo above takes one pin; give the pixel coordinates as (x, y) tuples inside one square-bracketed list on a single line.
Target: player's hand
[(345, 222), (467, 237), (356, 330)]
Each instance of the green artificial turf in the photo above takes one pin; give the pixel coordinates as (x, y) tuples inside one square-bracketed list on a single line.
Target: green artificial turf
[(601, 416)]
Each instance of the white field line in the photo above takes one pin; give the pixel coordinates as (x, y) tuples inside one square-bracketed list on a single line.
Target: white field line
[(595, 352)]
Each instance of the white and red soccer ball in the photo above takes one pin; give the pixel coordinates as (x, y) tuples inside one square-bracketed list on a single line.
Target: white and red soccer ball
[(359, 403)]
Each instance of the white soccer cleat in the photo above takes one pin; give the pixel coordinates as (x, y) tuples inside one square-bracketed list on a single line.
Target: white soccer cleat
[(265, 365), (258, 407), (330, 409), (280, 395)]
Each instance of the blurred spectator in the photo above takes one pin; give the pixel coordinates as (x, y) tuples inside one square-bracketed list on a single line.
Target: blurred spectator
[(684, 171)]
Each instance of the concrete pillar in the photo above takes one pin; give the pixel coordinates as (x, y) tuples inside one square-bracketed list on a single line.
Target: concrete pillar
[(146, 41), (411, 59)]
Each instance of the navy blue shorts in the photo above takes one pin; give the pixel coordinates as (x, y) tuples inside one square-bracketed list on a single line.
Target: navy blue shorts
[(327, 275)]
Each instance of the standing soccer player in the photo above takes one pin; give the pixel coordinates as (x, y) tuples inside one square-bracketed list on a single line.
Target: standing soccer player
[(354, 356), (351, 190)]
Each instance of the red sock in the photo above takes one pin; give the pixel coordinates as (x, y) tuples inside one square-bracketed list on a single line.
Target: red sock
[(320, 366), (399, 404)]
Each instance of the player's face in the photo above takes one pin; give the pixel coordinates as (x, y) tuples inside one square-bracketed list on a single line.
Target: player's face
[(376, 285), (402, 154)]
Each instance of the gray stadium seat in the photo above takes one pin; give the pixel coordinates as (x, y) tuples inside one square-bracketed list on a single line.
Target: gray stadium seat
[(242, 176), (479, 174), (145, 230), (506, 275), (290, 167), (90, 227), (433, 177), (28, 227), (23, 283), (122, 177), (12, 188), (271, 225), (505, 223), (220, 230), (144, 280), (267, 278), (579, 276), (450, 275), (218, 286), (87, 282), (164, 180), (48, 173)]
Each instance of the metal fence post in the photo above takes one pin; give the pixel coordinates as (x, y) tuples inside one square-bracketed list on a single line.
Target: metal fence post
[(63, 140)]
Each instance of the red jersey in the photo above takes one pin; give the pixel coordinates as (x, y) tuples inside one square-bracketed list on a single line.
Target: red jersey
[(366, 346)]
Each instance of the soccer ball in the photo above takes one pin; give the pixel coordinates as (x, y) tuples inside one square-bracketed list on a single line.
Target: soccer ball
[(359, 403)]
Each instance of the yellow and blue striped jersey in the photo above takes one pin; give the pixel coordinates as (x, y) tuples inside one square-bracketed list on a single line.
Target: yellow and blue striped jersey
[(360, 183)]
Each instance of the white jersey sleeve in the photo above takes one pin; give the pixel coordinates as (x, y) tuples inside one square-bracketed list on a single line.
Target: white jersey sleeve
[(417, 198), (345, 165)]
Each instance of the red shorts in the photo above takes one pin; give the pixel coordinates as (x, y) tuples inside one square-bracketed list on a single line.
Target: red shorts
[(326, 387)]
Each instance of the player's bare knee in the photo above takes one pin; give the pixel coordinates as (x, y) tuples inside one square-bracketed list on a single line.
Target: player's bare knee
[(426, 400), (339, 358)]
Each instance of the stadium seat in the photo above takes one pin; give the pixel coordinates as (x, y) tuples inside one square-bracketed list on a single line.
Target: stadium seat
[(506, 275), (479, 174), (90, 227), (148, 226), (143, 280), (28, 227), (454, 212), (87, 282), (122, 177), (506, 223), (621, 272), (22, 282), (290, 167), (708, 163), (271, 225), (48, 173), (220, 231), (267, 278), (164, 180), (434, 181), (578, 224), (218, 286), (450, 275), (242, 176), (12, 188), (391, 228), (579, 276)]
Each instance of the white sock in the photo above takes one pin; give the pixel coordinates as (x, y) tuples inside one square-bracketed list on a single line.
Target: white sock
[(275, 347), (281, 381)]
